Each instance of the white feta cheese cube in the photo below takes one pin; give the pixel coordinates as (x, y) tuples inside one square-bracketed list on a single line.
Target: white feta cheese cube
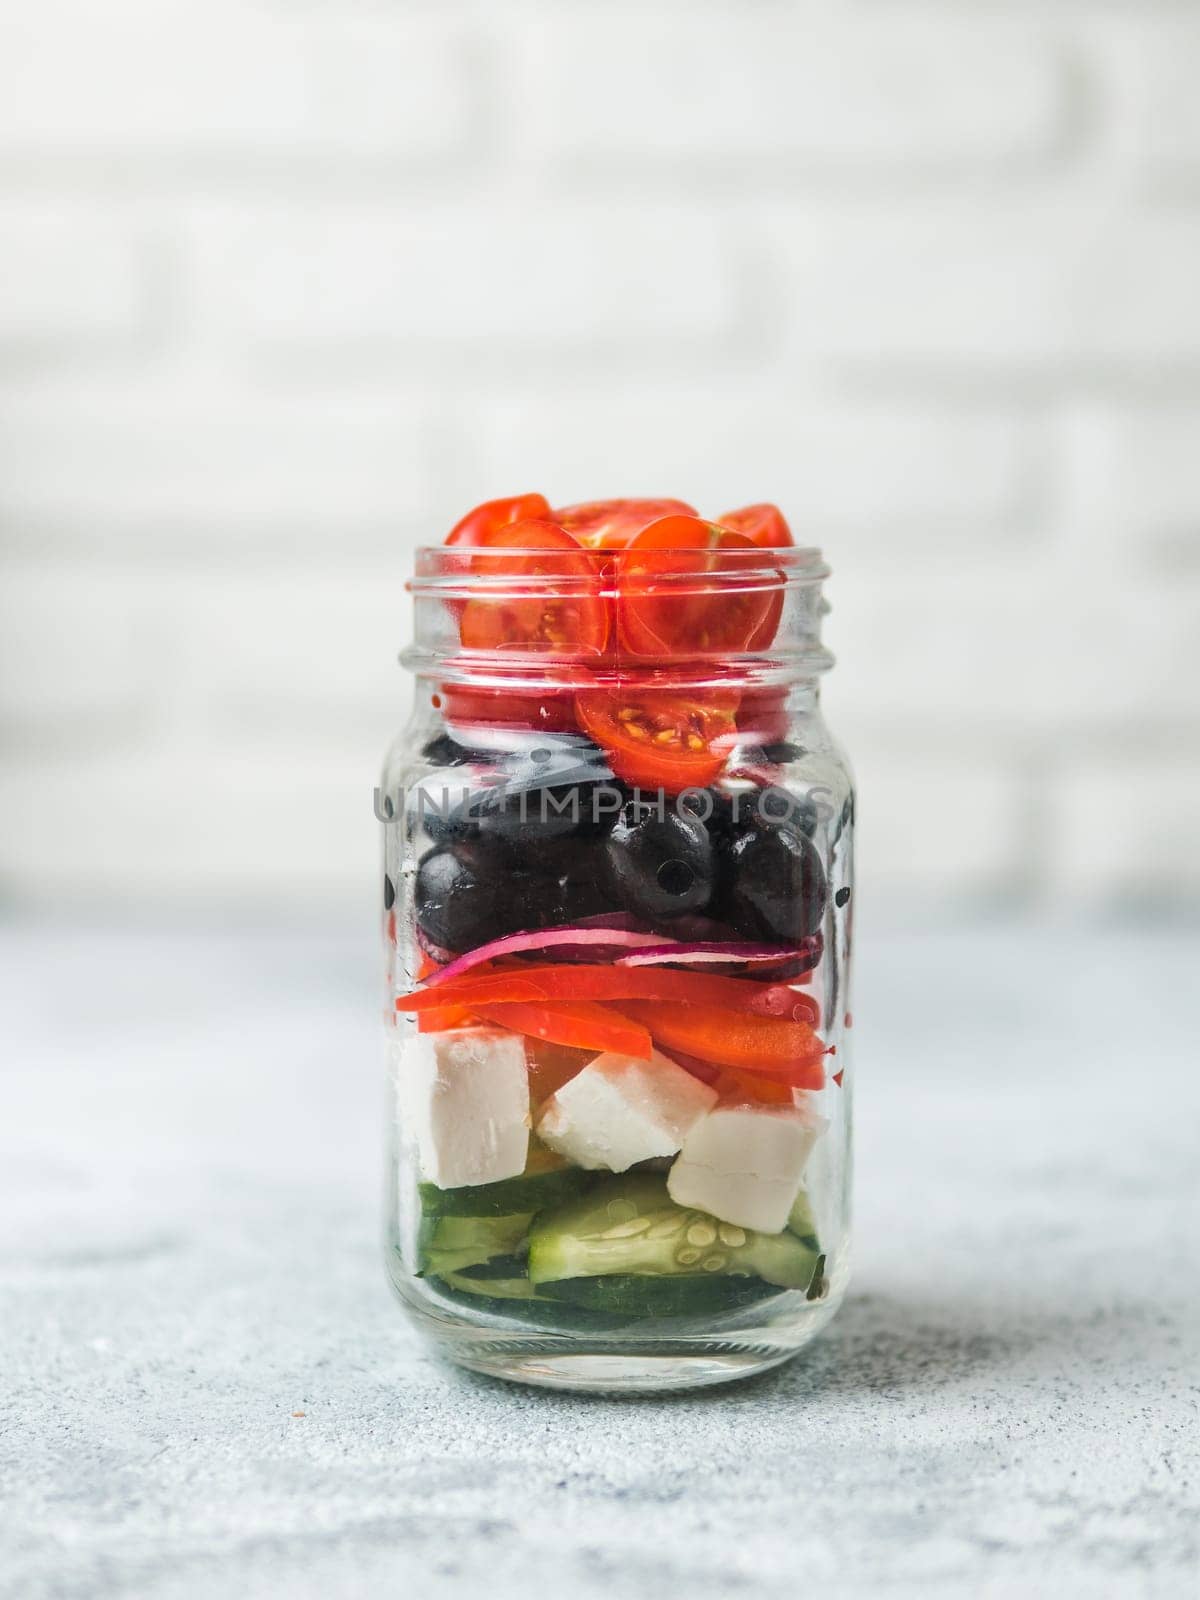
[(744, 1164), (616, 1111), (464, 1096)]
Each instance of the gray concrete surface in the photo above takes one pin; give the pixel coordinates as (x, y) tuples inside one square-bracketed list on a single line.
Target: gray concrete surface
[(188, 1258)]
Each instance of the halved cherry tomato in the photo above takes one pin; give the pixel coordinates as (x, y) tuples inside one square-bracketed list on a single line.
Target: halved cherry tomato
[(583, 1026), (562, 981), (766, 528), (659, 740), (502, 708), (656, 614), (612, 524), (789, 1052), (573, 621), (495, 514), (764, 525)]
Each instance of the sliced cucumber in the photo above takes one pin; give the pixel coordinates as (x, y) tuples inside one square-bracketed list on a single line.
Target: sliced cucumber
[(513, 1266), (493, 1288), (546, 1181), (630, 1226), (801, 1223), (448, 1244), (515, 1300), (639, 1295)]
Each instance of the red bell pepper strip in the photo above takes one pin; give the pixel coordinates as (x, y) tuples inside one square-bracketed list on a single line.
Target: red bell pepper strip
[(589, 982), (439, 1019), (583, 1025), (732, 1085), (789, 1052)]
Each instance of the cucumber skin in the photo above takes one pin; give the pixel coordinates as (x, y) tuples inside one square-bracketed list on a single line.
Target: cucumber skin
[(638, 1295), (489, 1288), (514, 1266), (600, 1305), (464, 1227), (532, 1192)]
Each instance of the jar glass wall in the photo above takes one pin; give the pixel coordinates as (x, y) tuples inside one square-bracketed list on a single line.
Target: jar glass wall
[(617, 912)]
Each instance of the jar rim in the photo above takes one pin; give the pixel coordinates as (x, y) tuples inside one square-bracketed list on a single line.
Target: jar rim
[(447, 578), (450, 572)]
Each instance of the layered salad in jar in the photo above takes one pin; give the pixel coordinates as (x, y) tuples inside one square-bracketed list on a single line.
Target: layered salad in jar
[(616, 909)]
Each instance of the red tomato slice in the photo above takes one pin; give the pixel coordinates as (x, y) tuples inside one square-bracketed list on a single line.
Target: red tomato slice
[(583, 1026), (612, 524), (656, 740), (436, 1019), (495, 514), (735, 1088), (766, 528), (501, 708), (559, 981), (440, 1019), (657, 619), (789, 1052), (764, 525), (575, 621)]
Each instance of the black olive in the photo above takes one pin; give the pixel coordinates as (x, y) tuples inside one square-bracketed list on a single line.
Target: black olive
[(539, 829), (453, 906), (583, 897), (526, 821), (782, 808), (780, 754), (461, 905), (659, 866), (445, 751), (774, 884)]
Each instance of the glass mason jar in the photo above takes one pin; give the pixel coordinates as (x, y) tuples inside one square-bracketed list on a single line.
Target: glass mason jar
[(617, 921)]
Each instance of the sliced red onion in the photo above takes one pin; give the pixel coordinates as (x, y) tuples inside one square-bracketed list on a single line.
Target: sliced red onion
[(767, 960), (558, 939), (433, 951), (705, 954)]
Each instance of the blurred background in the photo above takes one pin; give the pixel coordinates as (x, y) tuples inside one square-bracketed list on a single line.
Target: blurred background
[(286, 287)]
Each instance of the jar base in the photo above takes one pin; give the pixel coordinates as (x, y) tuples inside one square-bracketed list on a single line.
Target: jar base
[(620, 1372), (621, 1362)]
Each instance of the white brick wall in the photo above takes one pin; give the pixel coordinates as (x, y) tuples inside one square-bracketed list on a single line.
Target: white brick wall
[(74, 281), (223, 81), (784, 86), (287, 284), (337, 282)]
